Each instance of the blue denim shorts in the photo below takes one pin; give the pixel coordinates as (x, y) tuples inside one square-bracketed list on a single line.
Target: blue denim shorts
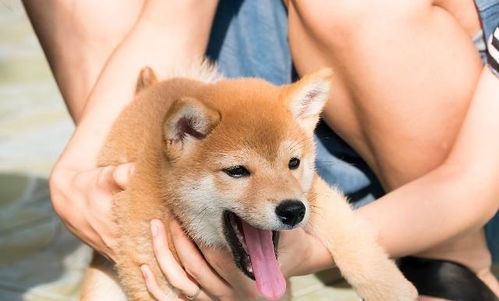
[(489, 14), (249, 39)]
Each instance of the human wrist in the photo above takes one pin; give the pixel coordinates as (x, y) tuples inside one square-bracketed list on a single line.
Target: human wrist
[(319, 259), (306, 257)]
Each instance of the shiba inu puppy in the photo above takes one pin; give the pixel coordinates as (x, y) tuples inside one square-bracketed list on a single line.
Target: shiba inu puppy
[(234, 161)]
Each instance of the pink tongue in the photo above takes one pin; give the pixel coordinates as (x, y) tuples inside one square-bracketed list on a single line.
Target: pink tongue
[(269, 280)]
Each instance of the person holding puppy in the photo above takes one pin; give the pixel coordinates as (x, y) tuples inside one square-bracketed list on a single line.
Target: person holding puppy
[(410, 96)]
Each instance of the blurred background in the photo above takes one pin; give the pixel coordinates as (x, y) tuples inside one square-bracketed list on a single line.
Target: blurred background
[(39, 258)]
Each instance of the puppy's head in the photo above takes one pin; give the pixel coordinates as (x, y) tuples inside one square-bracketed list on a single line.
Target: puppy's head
[(240, 162)]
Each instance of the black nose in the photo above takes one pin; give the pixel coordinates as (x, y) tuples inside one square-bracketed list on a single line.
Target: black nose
[(290, 212)]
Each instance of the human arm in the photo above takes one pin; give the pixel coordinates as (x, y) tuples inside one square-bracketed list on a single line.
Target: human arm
[(458, 196), (401, 104), (96, 66), (196, 277)]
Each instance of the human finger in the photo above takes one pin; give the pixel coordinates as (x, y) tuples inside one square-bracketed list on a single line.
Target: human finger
[(195, 264), (79, 225), (92, 220), (172, 270), (153, 287), (222, 262)]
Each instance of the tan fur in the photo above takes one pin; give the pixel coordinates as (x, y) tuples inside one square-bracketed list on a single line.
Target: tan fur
[(353, 246), (101, 282), (243, 122)]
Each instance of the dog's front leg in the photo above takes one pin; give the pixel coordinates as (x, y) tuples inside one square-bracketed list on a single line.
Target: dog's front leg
[(363, 263)]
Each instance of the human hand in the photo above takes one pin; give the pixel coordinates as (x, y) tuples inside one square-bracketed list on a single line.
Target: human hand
[(213, 269), (193, 277), (83, 200), (301, 253)]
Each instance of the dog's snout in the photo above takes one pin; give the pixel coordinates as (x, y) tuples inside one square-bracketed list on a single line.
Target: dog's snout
[(290, 212)]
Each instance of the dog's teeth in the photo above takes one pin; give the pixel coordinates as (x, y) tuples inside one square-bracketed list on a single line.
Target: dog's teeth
[(250, 268), (241, 239), (238, 233), (244, 245)]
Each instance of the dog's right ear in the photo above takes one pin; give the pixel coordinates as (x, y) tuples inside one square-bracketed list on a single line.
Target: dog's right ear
[(187, 123), (146, 78), (307, 97)]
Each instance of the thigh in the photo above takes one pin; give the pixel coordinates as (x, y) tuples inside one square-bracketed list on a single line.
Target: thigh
[(80, 34), (404, 76), (464, 12)]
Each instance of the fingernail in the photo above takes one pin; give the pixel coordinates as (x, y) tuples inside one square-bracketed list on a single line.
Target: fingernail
[(145, 271), (154, 228)]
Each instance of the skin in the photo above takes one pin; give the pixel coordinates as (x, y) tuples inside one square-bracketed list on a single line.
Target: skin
[(460, 163), (394, 153), (75, 183)]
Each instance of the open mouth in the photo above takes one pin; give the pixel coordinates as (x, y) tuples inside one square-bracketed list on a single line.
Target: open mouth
[(235, 236), (255, 254)]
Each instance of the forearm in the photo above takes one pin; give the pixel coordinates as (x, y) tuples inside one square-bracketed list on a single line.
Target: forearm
[(167, 33), (459, 196), (439, 206), (163, 38)]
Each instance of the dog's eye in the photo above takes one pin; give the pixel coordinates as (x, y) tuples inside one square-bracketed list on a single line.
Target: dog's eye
[(294, 163), (237, 171)]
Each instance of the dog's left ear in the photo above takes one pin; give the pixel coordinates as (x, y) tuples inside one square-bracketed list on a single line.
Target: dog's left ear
[(187, 123), (146, 78), (307, 97)]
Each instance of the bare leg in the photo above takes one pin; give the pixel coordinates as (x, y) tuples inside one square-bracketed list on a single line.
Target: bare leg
[(405, 72), (79, 34)]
